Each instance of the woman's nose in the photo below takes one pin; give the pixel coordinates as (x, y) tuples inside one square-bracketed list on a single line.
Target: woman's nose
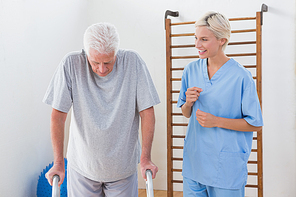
[(197, 44)]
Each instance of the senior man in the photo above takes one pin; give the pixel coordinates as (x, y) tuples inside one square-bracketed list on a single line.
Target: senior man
[(110, 90)]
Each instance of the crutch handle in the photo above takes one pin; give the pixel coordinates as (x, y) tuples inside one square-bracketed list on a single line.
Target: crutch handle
[(55, 186), (149, 184)]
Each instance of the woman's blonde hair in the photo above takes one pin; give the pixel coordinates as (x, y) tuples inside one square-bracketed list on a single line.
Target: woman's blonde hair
[(218, 24)]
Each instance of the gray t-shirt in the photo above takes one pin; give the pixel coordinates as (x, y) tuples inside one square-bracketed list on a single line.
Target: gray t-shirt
[(104, 141)]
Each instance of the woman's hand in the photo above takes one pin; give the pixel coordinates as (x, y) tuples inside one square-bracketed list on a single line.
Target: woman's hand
[(206, 119), (192, 95), (209, 120)]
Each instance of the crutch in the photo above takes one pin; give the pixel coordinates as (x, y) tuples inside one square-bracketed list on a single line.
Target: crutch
[(149, 184), (55, 186)]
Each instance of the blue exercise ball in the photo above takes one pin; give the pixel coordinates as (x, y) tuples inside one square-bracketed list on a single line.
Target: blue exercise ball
[(44, 189)]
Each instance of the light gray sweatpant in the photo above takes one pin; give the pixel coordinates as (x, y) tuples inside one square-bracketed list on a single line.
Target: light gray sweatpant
[(78, 186)]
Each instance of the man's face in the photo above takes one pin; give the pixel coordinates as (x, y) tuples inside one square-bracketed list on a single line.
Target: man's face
[(101, 64)]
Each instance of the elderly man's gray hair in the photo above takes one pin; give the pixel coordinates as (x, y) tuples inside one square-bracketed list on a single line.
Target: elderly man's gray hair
[(103, 37)]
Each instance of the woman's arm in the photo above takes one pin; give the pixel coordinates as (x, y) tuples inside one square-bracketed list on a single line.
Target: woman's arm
[(209, 120), (192, 95), (186, 110)]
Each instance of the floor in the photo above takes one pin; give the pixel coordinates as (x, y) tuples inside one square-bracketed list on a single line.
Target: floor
[(159, 193)]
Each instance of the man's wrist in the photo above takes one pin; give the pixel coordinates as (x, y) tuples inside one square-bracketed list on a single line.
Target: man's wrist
[(145, 158), (59, 161)]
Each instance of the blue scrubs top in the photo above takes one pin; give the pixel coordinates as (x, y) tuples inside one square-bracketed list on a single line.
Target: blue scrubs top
[(215, 156)]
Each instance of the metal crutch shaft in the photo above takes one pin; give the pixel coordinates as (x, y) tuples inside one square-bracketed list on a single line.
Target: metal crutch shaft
[(55, 186), (149, 184)]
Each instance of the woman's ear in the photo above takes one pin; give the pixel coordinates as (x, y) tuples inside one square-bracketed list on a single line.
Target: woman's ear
[(223, 41)]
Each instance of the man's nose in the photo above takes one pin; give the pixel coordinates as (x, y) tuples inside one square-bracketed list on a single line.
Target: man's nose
[(102, 68)]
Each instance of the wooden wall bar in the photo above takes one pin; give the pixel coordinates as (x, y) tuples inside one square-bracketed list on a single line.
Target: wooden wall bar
[(171, 124)]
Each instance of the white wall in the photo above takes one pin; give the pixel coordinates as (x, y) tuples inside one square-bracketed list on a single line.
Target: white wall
[(35, 36), (279, 99)]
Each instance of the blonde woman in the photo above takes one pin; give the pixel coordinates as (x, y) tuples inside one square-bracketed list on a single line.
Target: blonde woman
[(219, 96)]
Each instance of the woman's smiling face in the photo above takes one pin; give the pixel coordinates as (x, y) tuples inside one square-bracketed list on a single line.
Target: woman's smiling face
[(206, 42)]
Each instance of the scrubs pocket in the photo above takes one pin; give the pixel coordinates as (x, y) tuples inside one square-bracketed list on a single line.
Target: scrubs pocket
[(232, 173)]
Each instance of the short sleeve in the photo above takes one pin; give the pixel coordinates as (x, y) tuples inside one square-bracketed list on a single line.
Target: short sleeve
[(59, 91), (251, 109), (146, 92), (183, 89)]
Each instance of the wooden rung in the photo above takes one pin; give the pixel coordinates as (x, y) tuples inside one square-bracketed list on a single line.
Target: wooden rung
[(229, 55), (177, 181), (179, 79), (243, 31), (180, 35), (184, 57), (183, 136), (177, 147), (174, 101), (254, 150), (246, 66), (183, 23), (254, 138), (241, 54), (178, 136), (254, 186), (233, 31), (242, 18), (249, 173), (176, 170), (193, 45), (175, 91), (183, 46), (176, 79), (180, 124), (242, 43), (230, 19), (177, 159), (177, 68), (177, 114), (250, 66), (252, 162)]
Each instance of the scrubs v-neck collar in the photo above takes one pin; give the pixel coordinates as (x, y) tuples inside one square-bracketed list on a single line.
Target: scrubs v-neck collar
[(217, 75)]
